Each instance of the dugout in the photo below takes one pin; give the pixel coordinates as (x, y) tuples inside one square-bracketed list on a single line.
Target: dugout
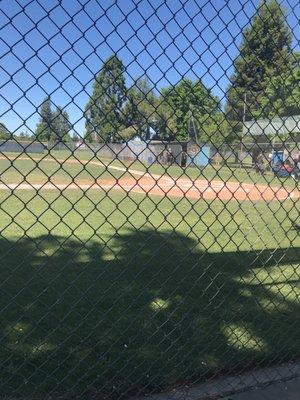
[(197, 155), (275, 135)]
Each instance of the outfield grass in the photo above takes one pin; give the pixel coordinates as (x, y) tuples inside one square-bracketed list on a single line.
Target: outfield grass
[(125, 293), (57, 168)]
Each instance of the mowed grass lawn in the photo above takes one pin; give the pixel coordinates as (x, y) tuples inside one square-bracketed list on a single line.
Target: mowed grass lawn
[(58, 168), (120, 294)]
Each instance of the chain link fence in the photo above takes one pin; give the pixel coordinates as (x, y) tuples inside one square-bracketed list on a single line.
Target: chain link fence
[(149, 213)]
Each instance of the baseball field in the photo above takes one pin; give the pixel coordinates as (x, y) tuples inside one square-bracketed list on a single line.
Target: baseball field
[(111, 272)]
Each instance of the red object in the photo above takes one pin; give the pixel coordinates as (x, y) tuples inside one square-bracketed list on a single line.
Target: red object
[(287, 168)]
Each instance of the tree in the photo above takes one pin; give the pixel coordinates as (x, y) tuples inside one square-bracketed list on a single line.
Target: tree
[(61, 126), (104, 112), (265, 52), (76, 137), (215, 130), (127, 133), (293, 88), (53, 126), (4, 132), (181, 102), (141, 106), (283, 92), (24, 136), (43, 130)]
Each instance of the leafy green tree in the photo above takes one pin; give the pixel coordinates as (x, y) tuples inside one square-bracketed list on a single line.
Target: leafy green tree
[(127, 133), (180, 103), (4, 132), (140, 109), (43, 130), (293, 88), (76, 137), (265, 52), (105, 110), (283, 92), (61, 126), (215, 130), (24, 136)]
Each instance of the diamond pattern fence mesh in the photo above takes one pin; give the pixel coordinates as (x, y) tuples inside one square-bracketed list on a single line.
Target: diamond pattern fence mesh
[(149, 186)]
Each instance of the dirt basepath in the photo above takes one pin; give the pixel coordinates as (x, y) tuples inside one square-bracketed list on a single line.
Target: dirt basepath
[(152, 184)]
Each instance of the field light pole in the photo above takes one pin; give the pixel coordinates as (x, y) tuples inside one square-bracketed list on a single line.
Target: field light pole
[(244, 120), (192, 121)]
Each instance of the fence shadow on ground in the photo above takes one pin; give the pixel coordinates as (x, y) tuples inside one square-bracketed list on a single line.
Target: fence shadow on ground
[(296, 227), (162, 311)]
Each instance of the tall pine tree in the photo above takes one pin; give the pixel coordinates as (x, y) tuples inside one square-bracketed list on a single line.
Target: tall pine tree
[(265, 52), (43, 130), (140, 109), (61, 126), (104, 112), (283, 92), (54, 126)]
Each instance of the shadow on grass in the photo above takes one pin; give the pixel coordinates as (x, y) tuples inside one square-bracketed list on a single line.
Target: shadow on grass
[(158, 313), (296, 227)]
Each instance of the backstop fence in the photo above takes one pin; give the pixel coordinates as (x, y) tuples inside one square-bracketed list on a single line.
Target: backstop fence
[(149, 186)]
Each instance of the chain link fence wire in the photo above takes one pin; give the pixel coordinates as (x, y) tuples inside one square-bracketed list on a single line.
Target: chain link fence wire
[(149, 213)]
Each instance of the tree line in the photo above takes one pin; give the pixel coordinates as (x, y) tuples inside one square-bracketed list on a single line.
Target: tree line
[(54, 126), (265, 83), (116, 113), (6, 134)]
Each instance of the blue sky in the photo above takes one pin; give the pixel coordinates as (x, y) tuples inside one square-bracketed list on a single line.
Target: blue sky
[(57, 46)]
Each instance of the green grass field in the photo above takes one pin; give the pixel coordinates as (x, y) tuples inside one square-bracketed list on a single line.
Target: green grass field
[(47, 168), (120, 293)]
